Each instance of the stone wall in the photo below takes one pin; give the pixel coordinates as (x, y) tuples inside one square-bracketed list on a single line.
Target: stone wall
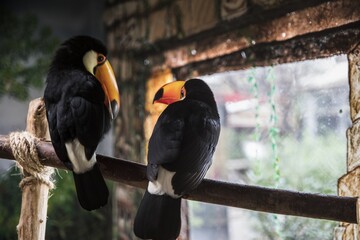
[(349, 184), (152, 42)]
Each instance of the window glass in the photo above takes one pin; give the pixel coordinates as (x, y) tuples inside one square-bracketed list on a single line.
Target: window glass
[(282, 127)]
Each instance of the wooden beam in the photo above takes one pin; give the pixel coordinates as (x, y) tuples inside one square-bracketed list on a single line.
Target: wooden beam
[(229, 194), (255, 15), (321, 44), (260, 31)]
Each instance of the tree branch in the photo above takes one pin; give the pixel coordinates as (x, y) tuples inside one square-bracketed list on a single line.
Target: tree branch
[(255, 198)]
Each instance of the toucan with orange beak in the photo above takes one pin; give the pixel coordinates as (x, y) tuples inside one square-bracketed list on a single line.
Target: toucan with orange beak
[(81, 99), (180, 152)]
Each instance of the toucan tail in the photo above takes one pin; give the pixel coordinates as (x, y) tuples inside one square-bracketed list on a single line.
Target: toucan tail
[(158, 217), (91, 189)]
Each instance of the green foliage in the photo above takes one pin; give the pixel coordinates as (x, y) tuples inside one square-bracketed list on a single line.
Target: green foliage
[(10, 204), (294, 228), (25, 53), (311, 164), (206, 211), (255, 92), (232, 149), (66, 219), (273, 130)]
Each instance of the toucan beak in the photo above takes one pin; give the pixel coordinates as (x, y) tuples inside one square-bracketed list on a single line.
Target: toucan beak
[(170, 93), (105, 74)]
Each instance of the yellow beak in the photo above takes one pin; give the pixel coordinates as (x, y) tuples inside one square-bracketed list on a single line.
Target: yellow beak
[(170, 92), (105, 74)]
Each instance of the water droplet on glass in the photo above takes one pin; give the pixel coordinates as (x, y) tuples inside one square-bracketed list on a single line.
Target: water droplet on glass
[(193, 52), (243, 54), (146, 62)]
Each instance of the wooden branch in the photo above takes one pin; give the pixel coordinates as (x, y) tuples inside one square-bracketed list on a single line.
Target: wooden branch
[(229, 194)]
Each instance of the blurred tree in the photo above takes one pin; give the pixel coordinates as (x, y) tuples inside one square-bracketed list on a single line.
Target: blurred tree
[(25, 53), (309, 168), (10, 204), (66, 219)]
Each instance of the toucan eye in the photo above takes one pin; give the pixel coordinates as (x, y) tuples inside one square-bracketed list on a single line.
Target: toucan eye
[(101, 58), (182, 93)]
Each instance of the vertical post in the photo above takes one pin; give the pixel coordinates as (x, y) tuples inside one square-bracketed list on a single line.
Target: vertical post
[(349, 184), (32, 222)]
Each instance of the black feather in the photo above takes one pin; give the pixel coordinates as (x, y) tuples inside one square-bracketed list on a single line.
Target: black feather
[(71, 52), (158, 217), (185, 137), (74, 101), (183, 141), (91, 189)]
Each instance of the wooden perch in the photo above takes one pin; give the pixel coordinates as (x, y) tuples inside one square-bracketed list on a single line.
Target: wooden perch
[(36, 181), (336, 208)]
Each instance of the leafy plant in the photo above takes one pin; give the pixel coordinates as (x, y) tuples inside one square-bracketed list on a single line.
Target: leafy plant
[(66, 219), (10, 204), (309, 165), (25, 53)]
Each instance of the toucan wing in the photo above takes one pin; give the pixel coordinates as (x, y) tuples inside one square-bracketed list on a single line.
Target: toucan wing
[(165, 142), (198, 146), (79, 114)]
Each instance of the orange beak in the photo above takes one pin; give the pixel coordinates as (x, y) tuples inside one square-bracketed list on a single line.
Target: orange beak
[(170, 93), (105, 74)]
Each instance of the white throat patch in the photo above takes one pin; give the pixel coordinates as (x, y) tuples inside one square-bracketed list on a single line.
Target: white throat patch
[(90, 61)]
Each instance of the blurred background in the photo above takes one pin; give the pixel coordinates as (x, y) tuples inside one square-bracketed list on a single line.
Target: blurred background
[(30, 33), (282, 126)]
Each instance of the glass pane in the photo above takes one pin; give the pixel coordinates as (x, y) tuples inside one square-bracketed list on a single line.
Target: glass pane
[(282, 126)]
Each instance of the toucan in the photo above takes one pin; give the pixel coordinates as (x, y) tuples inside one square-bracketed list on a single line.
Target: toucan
[(180, 152), (81, 99)]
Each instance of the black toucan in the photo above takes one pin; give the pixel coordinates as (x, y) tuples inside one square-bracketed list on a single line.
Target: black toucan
[(180, 153), (81, 99)]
